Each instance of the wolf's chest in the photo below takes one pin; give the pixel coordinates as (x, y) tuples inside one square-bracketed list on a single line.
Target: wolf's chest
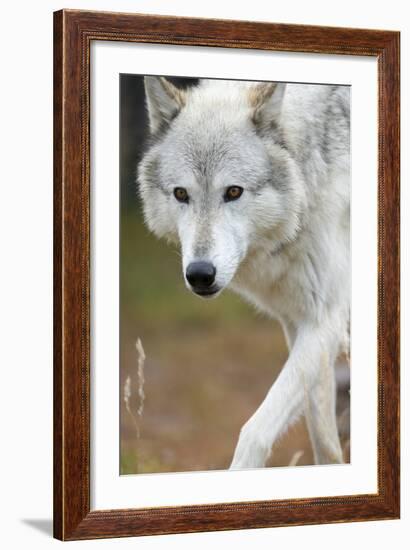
[(271, 284)]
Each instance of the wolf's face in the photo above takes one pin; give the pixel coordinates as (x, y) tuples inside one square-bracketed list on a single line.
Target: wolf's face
[(217, 177)]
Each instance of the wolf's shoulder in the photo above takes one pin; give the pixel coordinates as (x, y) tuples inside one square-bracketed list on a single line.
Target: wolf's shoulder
[(318, 99)]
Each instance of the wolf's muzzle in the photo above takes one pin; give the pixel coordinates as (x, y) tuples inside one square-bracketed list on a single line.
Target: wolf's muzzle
[(201, 277)]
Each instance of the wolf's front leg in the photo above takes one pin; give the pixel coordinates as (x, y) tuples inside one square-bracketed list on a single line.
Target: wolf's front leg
[(284, 401)]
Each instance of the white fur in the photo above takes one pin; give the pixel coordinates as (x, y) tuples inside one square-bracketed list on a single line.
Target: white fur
[(283, 246)]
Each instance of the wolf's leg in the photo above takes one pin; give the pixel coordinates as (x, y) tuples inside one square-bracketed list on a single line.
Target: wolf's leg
[(320, 411), (284, 401)]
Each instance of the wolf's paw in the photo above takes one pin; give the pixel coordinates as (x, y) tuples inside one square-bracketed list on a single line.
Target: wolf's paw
[(252, 450)]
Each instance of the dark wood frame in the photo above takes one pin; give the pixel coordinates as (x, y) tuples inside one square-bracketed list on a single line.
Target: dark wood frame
[(73, 33)]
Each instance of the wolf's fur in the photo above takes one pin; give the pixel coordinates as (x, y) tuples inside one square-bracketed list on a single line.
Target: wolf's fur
[(283, 245)]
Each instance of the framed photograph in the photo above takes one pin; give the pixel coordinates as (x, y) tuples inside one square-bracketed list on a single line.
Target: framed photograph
[(226, 275)]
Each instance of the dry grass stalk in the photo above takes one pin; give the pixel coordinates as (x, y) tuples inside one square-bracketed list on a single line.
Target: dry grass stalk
[(141, 378), (136, 412), (295, 458), (127, 401)]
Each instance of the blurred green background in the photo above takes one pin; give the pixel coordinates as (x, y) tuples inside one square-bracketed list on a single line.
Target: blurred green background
[(208, 365)]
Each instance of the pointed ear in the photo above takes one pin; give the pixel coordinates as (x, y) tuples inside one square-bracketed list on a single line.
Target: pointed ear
[(164, 101), (265, 100)]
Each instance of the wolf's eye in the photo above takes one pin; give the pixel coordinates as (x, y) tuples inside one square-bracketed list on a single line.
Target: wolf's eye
[(181, 194), (233, 193)]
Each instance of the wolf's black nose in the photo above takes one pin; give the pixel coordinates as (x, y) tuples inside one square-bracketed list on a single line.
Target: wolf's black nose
[(200, 275)]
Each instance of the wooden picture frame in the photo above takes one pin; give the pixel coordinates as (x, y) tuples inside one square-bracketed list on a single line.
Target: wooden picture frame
[(73, 33)]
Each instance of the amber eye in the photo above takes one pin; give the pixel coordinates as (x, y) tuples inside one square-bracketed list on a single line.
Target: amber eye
[(181, 194), (233, 193)]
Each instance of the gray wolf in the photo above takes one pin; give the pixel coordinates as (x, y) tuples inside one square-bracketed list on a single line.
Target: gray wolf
[(252, 179)]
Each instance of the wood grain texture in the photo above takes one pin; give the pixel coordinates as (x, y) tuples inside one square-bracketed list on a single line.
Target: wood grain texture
[(73, 32), (58, 283)]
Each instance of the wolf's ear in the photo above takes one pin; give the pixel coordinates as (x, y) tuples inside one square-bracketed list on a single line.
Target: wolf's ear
[(164, 101), (265, 100)]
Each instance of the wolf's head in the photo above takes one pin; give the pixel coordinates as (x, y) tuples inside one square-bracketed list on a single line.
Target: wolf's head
[(218, 177)]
